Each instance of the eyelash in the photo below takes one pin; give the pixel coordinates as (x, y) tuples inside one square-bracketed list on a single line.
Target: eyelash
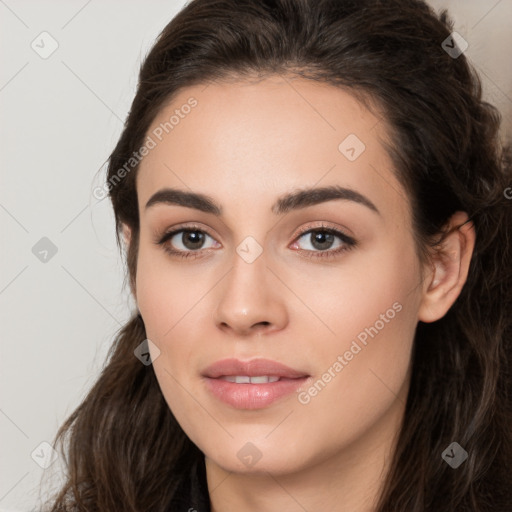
[(348, 242)]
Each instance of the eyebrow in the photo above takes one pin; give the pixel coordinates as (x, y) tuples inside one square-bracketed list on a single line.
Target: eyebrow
[(291, 201)]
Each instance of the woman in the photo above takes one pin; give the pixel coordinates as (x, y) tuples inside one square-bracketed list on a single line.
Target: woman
[(311, 195)]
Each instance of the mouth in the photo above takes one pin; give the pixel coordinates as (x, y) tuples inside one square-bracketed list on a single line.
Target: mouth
[(246, 379), (254, 384), (254, 369)]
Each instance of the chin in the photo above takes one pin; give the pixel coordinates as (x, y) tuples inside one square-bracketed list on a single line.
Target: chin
[(256, 458)]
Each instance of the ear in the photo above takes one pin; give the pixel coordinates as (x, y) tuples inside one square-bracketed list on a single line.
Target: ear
[(127, 234), (127, 238), (449, 268)]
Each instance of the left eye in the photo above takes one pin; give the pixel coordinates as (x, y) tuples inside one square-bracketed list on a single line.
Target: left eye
[(322, 239)]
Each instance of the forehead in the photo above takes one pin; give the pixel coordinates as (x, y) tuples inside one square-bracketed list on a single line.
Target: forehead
[(243, 141)]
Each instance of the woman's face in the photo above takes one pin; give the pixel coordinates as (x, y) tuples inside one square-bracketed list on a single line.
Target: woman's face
[(327, 283)]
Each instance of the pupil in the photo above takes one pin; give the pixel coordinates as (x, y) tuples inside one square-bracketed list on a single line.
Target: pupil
[(322, 240), (192, 239)]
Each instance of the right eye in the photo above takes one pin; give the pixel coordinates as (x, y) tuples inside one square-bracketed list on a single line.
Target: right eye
[(185, 242)]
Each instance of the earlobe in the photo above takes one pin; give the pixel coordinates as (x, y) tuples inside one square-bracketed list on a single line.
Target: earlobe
[(449, 270)]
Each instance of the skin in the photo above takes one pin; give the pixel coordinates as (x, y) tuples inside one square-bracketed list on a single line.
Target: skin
[(245, 145)]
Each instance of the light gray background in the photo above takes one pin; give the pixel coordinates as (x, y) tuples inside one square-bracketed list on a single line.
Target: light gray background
[(60, 118)]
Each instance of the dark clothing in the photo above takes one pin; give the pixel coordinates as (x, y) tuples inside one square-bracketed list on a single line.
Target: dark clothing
[(193, 495)]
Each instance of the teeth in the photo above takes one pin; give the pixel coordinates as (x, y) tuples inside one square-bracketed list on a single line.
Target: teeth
[(263, 380), (245, 379)]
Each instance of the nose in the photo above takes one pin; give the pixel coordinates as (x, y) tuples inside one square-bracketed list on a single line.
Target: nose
[(251, 299)]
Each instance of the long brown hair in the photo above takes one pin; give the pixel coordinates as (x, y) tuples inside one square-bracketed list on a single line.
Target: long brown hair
[(125, 450)]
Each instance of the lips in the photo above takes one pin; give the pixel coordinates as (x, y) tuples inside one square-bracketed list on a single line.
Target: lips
[(253, 368), (253, 384)]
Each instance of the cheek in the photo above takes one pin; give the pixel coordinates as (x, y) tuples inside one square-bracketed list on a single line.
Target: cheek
[(170, 309), (349, 299), (369, 317), (164, 294), (175, 313)]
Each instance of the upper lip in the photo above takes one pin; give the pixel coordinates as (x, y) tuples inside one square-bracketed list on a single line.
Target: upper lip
[(252, 368)]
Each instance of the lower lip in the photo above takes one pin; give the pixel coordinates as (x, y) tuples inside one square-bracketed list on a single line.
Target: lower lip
[(252, 396)]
